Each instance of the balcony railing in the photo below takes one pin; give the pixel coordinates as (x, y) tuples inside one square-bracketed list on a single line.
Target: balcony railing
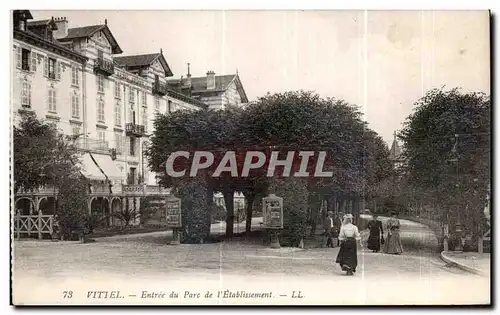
[(140, 189), (103, 66), (94, 145), (132, 129), (159, 88)]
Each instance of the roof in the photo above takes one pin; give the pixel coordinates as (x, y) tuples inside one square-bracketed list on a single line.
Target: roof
[(144, 60), (222, 82), (41, 23), (199, 84), (395, 150), (87, 31), (23, 13)]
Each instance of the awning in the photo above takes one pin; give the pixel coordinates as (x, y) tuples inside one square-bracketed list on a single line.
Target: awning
[(108, 166), (90, 169)]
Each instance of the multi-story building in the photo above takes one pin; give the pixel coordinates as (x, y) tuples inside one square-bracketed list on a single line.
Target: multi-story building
[(75, 78), (218, 92)]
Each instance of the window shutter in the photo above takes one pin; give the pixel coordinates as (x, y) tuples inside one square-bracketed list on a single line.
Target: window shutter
[(33, 61), (58, 71), (45, 66), (48, 100), (18, 56)]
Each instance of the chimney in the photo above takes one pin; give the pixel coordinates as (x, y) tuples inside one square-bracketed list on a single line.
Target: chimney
[(210, 80), (188, 77), (62, 27)]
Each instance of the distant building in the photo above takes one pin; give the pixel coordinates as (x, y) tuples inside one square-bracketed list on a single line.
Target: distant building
[(218, 92), (395, 153)]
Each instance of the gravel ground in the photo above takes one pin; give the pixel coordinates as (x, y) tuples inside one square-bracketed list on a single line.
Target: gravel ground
[(143, 262)]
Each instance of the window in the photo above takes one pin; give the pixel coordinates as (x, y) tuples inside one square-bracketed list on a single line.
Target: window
[(118, 93), (75, 105), (169, 106), (25, 59), (52, 68), (100, 83), (132, 146), (118, 113), (74, 76), (101, 137), (100, 110), (131, 115), (144, 98), (119, 143), (131, 95), (145, 118), (157, 103), (52, 101), (26, 94)]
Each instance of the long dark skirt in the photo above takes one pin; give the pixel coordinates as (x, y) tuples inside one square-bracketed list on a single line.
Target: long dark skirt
[(348, 255), (374, 241)]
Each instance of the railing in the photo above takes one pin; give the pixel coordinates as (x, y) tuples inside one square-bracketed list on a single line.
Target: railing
[(186, 99), (33, 224), (95, 145), (149, 190), (135, 130), (104, 66), (159, 88)]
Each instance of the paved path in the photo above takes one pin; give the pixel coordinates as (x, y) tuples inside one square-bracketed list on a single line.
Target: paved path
[(43, 270)]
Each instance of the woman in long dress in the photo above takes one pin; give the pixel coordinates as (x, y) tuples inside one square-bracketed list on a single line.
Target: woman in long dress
[(393, 244), (347, 257), (376, 234)]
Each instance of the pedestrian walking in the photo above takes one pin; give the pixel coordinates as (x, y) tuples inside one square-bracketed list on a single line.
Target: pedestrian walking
[(329, 229), (347, 257), (393, 244), (376, 234)]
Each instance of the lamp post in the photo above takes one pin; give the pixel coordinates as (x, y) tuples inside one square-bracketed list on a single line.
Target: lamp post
[(458, 225), (144, 146)]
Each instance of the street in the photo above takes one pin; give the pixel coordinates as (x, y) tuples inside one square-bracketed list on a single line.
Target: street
[(135, 263)]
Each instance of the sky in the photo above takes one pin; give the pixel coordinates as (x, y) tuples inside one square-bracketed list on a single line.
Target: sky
[(382, 61)]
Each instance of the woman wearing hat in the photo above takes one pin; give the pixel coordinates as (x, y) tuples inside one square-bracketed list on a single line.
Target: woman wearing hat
[(347, 257), (393, 244)]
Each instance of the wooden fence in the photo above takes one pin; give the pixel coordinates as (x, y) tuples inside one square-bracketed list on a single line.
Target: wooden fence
[(33, 225)]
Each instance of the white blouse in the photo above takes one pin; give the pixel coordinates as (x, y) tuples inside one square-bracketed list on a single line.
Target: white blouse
[(349, 230)]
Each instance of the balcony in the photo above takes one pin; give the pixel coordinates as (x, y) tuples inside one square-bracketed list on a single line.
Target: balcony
[(132, 129), (93, 145), (159, 89), (105, 67)]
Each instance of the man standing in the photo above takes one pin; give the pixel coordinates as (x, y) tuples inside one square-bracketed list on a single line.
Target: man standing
[(338, 225), (329, 229)]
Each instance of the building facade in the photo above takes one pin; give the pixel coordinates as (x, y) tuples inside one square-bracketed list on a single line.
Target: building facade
[(76, 79), (218, 92)]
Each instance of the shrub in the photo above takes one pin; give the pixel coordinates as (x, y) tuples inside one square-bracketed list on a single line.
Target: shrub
[(195, 211), (72, 207)]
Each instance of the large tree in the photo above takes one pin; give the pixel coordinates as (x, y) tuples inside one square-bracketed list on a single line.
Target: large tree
[(42, 155), (447, 153)]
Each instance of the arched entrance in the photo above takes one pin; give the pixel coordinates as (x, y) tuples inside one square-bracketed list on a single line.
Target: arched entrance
[(47, 205), (24, 206)]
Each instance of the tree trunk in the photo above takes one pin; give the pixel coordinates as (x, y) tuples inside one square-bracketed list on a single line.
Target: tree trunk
[(229, 201), (248, 227), (315, 206), (342, 206), (208, 219)]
